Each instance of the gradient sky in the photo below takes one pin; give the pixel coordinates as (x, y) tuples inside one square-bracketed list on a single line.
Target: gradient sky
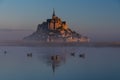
[(98, 19)]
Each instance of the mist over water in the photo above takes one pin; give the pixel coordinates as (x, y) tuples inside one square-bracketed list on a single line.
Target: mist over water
[(9, 34), (59, 63), (14, 34)]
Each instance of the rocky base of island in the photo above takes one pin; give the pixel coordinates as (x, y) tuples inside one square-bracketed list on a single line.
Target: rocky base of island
[(58, 44)]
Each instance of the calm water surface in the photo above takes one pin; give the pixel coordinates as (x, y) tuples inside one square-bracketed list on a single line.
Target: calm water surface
[(59, 63)]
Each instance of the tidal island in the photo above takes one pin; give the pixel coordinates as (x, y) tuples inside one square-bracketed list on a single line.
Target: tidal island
[(55, 30)]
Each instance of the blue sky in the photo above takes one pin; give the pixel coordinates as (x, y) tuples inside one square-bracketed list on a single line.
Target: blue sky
[(89, 17)]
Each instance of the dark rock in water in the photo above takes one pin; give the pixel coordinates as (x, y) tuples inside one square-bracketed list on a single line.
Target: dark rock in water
[(82, 55), (29, 54), (72, 54), (5, 52)]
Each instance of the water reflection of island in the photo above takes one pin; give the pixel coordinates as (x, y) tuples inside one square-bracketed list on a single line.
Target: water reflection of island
[(55, 61), (56, 57), (52, 60)]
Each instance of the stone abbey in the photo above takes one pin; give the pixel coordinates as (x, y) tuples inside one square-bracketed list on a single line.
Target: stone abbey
[(53, 24), (56, 30)]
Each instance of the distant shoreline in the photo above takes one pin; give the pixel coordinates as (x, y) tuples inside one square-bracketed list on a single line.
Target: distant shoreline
[(57, 44)]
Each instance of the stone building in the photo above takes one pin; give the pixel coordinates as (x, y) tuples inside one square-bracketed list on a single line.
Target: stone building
[(53, 24)]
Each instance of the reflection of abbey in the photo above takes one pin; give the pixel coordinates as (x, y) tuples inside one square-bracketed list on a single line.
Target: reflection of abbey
[(56, 30)]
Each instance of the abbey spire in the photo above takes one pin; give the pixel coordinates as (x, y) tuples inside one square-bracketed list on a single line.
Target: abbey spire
[(53, 13)]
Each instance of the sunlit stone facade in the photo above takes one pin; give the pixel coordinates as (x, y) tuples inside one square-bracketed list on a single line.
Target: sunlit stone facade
[(53, 24)]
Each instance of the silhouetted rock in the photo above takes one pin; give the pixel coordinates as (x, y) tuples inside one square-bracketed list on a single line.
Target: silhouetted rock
[(72, 54), (29, 54), (5, 52), (82, 55)]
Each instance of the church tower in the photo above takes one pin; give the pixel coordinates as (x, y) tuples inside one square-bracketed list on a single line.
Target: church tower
[(53, 16)]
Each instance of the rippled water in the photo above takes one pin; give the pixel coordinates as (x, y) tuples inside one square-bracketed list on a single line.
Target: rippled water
[(59, 63)]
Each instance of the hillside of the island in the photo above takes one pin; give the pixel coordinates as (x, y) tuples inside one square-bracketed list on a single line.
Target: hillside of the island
[(56, 30)]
